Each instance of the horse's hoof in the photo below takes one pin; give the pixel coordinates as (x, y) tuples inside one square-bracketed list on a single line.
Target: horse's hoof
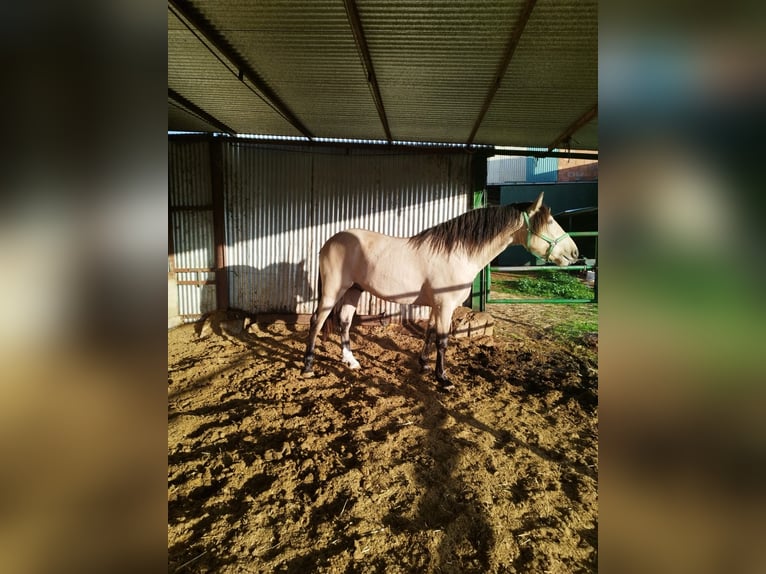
[(307, 374), (445, 385), (426, 368)]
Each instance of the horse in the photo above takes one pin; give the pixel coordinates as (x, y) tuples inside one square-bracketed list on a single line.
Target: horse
[(434, 268)]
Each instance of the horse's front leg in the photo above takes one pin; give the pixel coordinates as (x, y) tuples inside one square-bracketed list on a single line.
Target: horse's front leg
[(423, 359), (443, 324), (441, 372)]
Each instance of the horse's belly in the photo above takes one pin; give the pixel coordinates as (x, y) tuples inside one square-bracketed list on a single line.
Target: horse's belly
[(417, 291), (397, 292)]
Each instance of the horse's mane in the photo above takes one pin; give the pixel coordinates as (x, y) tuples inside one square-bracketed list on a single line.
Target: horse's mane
[(474, 229)]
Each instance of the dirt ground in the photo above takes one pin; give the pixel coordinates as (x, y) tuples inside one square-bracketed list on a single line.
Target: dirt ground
[(374, 470)]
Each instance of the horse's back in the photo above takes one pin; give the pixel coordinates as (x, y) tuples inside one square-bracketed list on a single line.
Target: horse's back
[(362, 242)]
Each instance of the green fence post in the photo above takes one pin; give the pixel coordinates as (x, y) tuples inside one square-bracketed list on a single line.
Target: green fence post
[(479, 288)]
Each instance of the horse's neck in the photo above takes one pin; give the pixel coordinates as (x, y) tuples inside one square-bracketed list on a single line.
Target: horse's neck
[(495, 247), (472, 264)]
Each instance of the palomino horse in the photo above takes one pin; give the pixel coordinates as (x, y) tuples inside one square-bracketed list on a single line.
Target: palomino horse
[(435, 267)]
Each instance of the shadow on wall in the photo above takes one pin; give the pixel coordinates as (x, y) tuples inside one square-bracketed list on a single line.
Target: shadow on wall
[(277, 288)]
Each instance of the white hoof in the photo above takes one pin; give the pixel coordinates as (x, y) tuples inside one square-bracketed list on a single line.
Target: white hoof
[(352, 363), (350, 360)]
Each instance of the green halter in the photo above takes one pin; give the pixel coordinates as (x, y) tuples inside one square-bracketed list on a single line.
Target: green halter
[(551, 242)]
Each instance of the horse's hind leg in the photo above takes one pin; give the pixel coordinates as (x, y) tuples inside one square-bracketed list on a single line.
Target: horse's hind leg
[(317, 320), (347, 310), (326, 304), (423, 359)]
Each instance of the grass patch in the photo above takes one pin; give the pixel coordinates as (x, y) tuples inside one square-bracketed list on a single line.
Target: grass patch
[(546, 284), (576, 328)]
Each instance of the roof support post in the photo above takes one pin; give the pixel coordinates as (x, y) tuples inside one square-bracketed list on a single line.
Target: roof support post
[(364, 51), (573, 127), (219, 224), (510, 48)]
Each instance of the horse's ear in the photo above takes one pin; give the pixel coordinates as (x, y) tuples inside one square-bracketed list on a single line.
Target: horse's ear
[(536, 205)]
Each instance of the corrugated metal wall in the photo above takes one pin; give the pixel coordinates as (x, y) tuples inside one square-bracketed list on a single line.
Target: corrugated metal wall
[(190, 197), (267, 206), (283, 202), (541, 169), (521, 169), (506, 169)]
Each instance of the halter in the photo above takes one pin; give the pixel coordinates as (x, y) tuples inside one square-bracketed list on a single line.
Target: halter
[(551, 242)]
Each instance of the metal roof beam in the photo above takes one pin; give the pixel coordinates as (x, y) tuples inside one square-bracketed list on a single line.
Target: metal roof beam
[(510, 48), (592, 155), (364, 51), (199, 112), (191, 16), (576, 125)]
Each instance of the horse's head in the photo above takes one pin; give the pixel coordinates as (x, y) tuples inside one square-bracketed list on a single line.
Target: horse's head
[(544, 236)]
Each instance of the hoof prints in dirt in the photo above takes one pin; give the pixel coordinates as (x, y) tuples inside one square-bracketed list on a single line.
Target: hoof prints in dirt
[(378, 471)]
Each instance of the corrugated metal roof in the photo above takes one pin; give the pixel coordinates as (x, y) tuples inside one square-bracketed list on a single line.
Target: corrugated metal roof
[(297, 67), (203, 76), (552, 78)]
